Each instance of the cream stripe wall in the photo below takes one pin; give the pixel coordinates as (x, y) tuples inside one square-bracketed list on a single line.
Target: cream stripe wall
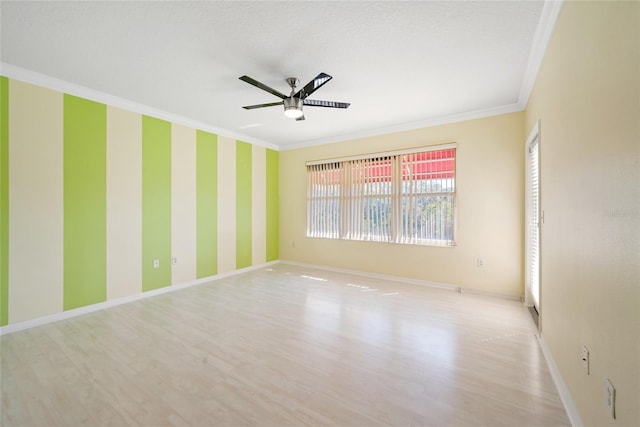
[(226, 204), (258, 205), (124, 209), (35, 202), (36, 144), (183, 203)]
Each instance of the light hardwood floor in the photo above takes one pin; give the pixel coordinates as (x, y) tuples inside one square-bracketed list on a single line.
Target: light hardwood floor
[(284, 346)]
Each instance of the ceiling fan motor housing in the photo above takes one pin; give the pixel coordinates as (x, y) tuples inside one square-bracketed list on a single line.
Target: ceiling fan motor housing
[(293, 107)]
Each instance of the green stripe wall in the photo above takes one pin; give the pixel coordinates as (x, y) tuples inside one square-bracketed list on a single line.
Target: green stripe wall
[(4, 201), (156, 203), (206, 204), (85, 253), (97, 198), (272, 208), (243, 205)]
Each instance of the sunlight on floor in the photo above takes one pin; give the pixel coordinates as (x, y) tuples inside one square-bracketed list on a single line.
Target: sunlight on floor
[(319, 279)]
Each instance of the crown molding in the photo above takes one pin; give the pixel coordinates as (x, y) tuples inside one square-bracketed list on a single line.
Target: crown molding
[(43, 80), (542, 36)]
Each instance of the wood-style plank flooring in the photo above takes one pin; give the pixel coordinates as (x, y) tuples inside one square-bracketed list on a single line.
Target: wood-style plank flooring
[(284, 346)]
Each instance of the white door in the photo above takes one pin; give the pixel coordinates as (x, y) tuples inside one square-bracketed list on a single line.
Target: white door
[(533, 218)]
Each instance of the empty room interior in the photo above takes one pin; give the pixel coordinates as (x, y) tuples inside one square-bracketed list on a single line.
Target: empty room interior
[(320, 213)]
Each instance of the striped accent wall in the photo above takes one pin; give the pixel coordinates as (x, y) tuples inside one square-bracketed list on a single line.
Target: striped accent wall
[(258, 204), (36, 202), (4, 200), (243, 205), (207, 204), (183, 204), (85, 202), (273, 206), (156, 203), (92, 195), (226, 198), (124, 209)]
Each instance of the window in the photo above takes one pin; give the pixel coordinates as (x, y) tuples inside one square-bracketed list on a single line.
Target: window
[(404, 196)]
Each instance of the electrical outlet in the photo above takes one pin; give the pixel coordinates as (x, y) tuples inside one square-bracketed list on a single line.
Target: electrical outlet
[(480, 262), (585, 359), (156, 263), (611, 398), (174, 260)]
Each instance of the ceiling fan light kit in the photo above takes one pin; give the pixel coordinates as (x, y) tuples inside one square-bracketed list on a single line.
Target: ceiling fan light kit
[(294, 102), (293, 107)]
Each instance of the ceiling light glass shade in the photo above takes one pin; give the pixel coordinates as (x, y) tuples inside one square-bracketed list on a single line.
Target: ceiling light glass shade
[(294, 113), (293, 107)]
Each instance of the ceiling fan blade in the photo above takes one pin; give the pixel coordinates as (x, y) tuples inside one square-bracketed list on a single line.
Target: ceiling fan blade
[(300, 118), (313, 85), (328, 104), (262, 86), (253, 107)]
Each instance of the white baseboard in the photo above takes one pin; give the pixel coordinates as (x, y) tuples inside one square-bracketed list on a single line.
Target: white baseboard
[(439, 285), (563, 391), (15, 327)]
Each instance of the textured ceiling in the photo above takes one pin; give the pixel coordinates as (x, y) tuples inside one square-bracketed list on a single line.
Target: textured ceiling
[(399, 64)]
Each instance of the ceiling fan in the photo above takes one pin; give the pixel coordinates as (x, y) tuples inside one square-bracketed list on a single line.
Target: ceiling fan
[(294, 102)]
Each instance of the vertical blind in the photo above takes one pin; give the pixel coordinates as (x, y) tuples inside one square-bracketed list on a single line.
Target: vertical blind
[(534, 224), (402, 197)]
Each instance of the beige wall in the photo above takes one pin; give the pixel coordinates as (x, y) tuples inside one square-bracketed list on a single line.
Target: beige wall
[(35, 202), (124, 191), (587, 97), (490, 170)]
